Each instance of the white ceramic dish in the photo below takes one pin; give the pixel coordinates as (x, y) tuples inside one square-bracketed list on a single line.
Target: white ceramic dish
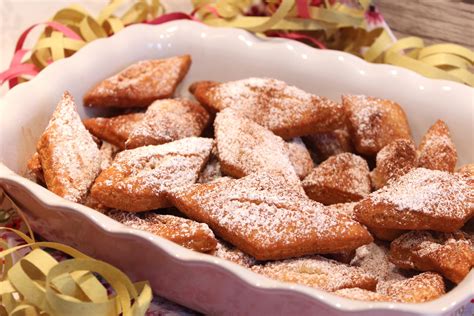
[(203, 282)]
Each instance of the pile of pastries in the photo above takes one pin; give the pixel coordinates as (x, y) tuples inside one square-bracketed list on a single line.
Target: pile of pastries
[(293, 186)]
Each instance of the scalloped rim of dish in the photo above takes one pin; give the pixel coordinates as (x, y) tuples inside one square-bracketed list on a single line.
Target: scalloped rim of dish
[(461, 293)]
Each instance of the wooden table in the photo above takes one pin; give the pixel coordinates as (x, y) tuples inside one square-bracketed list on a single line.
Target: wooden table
[(436, 21)]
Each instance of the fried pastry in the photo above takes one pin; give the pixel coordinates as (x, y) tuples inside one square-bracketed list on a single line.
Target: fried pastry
[(68, 155), (317, 272), (374, 259), (386, 234), (437, 150), (114, 130), (245, 147), (330, 143), (421, 288), (138, 178), (422, 199), (285, 110), (340, 179), (228, 252), (168, 120), (35, 170), (184, 232), (140, 84), (374, 123), (467, 169), (449, 254), (268, 217), (359, 294), (393, 161), (300, 157)]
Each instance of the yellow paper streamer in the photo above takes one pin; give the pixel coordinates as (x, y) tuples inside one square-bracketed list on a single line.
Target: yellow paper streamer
[(39, 285), (442, 61)]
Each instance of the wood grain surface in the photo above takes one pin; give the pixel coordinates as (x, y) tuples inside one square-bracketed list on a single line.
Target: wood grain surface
[(436, 21)]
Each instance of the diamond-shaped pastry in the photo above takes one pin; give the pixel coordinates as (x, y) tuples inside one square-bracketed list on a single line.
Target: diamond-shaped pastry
[(285, 110), (422, 199), (140, 84), (69, 157), (437, 150), (268, 217), (374, 123), (450, 254), (138, 178)]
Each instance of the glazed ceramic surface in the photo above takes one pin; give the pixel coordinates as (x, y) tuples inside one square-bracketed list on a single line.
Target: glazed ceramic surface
[(202, 282)]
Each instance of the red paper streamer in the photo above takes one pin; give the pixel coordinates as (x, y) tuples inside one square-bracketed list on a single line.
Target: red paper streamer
[(302, 9)]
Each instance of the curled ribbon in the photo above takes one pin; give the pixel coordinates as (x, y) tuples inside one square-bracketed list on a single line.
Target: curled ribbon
[(440, 61), (40, 285), (341, 25)]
